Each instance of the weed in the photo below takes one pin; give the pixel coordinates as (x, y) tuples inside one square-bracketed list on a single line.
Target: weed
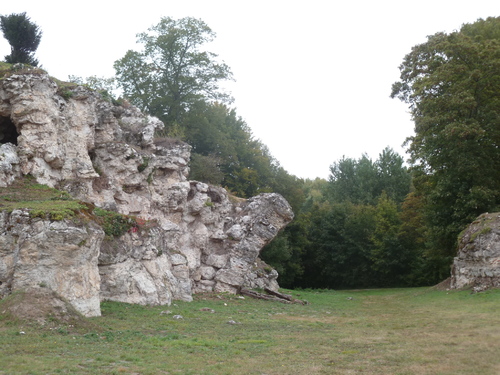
[(150, 176), (485, 230), (113, 223), (66, 94), (145, 162)]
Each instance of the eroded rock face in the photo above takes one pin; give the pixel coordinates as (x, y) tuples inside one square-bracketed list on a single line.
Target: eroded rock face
[(198, 238), (59, 255), (9, 164), (477, 263)]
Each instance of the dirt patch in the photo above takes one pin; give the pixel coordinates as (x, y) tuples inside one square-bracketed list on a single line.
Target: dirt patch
[(41, 306), (443, 285)]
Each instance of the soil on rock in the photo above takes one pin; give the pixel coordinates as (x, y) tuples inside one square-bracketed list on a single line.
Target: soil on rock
[(43, 307), (443, 285)]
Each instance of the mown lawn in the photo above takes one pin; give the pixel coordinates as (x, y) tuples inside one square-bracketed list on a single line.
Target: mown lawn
[(389, 331)]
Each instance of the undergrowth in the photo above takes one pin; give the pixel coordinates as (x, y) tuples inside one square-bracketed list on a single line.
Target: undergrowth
[(113, 223)]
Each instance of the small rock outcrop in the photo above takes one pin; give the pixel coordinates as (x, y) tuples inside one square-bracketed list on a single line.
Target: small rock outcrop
[(477, 264), (191, 237)]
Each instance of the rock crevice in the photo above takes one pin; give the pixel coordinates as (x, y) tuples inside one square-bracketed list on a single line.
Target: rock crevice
[(196, 238)]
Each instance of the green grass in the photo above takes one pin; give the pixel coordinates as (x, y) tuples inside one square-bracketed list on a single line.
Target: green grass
[(7, 70), (45, 202), (393, 331), (41, 201)]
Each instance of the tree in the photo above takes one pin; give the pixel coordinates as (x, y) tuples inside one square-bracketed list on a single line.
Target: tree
[(393, 176), (452, 86), (206, 169), (425, 267), (23, 36), (390, 259), (353, 180), (362, 181), (338, 250), (215, 131), (171, 73)]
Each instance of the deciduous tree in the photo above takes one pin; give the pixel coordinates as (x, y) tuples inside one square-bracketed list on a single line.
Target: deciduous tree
[(362, 181), (452, 86), (172, 72)]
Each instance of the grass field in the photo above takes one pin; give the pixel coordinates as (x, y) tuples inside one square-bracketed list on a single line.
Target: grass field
[(390, 331)]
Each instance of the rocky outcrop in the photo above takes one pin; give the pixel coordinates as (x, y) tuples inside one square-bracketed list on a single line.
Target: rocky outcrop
[(477, 264), (194, 238), (59, 255)]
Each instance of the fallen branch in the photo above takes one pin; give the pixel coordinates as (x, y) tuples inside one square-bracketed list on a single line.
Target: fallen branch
[(257, 295), (271, 296), (288, 297)]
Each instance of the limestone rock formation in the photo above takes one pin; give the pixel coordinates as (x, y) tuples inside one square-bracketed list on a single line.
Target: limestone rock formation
[(59, 255), (477, 263), (196, 238)]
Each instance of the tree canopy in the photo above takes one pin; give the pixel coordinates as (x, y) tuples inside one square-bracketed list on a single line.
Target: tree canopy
[(349, 230), (362, 181), (23, 36), (172, 72), (452, 86)]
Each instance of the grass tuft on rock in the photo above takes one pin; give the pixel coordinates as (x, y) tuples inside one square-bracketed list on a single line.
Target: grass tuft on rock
[(40, 200)]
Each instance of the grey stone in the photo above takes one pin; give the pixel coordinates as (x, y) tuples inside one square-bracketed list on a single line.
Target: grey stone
[(477, 263), (108, 155)]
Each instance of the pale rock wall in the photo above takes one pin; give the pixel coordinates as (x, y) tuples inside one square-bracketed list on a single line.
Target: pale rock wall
[(9, 164), (477, 264), (107, 155), (60, 255)]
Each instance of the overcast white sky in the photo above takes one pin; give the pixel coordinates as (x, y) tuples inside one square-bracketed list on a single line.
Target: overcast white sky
[(313, 77)]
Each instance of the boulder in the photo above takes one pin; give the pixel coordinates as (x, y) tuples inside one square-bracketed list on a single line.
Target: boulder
[(477, 264)]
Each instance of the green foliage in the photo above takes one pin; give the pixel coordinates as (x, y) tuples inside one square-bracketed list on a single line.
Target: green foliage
[(353, 226), (172, 73), (102, 85), (145, 163), (338, 254), (23, 36), (113, 223), (66, 94), (206, 169), (226, 153), (392, 262), (452, 85), (362, 181)]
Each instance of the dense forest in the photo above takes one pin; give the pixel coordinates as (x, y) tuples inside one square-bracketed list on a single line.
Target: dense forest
[(373, 223)]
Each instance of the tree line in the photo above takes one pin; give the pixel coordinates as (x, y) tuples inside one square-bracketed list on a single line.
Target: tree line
[(373, 223)]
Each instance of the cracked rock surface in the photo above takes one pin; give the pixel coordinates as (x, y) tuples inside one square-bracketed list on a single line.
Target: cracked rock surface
[(477, 264), (199, 239)]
